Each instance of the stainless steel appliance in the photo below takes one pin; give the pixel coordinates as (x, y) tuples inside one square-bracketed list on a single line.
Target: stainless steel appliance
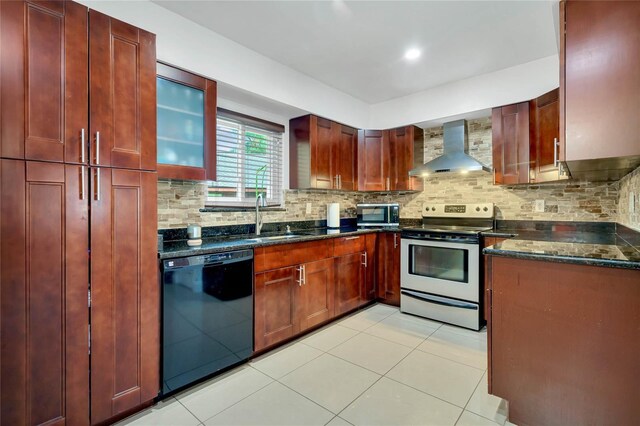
[(207, 316), (378, 214), (441, 263)]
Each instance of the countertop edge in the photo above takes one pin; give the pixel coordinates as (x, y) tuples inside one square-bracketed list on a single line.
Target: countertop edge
[(607, 263)]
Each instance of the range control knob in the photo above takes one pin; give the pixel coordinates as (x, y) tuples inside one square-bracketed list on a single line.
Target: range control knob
[(485, 209), (426, 209), (477, 209), (433, 209)]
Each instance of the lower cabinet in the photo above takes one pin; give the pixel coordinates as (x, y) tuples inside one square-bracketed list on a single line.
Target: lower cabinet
[(44, 237), (368, 291), (125, 302), (291, 300), (388, 268), (350, 275)]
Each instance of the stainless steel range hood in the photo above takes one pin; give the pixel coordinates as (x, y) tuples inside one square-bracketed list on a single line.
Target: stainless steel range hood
[(455, 157)]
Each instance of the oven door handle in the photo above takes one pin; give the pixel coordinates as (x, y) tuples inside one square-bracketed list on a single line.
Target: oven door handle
[(461, 240), (451, 303)]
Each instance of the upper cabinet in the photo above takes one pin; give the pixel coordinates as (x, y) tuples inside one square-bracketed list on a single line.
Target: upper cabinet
[(386, 156), (600, 87), (44, 81), (544, 134), (79, 87), (323, 154), (186, 110), (122, 63), (510, 140)]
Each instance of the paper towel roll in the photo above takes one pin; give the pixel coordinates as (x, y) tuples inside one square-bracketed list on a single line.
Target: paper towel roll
[(333, 215)]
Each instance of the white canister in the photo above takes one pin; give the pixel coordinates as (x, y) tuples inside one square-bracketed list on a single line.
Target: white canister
[(333, 215)]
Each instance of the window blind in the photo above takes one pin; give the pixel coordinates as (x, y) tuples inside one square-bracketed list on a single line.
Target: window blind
[(249, 162)]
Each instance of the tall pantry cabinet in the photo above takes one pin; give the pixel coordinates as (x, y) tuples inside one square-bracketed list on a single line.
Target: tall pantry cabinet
[(79, 301)]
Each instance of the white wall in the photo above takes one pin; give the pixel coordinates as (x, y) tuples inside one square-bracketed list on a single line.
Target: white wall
[(193, 47), (186, 44), (503, 87)]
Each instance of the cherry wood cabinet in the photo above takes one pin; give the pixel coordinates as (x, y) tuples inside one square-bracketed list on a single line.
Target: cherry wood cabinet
[(349, 276), (599, 86), (293, 292), (44, 237), (275, 309), (323, 154), (125, 299), (404, 142), (388, 268), (386, 156), (315, 296), (544, 134), (43, 81), (374, 160), (179, 125), (570, 331), (122, 84), (510, 140), (368, 290)]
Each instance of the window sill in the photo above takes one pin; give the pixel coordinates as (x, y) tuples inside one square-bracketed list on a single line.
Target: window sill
[(223, 209)]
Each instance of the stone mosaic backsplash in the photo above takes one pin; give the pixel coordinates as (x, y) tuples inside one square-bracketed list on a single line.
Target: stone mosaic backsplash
[(179, 202), (629, 183)]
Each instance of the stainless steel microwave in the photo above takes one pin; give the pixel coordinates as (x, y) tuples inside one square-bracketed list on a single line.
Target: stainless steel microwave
[(378, 214)]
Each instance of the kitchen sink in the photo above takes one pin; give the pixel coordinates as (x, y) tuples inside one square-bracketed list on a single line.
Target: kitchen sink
[(273, 238)]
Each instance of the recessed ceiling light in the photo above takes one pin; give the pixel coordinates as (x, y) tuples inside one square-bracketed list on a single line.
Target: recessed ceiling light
[(412, 54)]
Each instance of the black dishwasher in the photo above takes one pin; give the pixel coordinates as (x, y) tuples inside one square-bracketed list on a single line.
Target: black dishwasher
[(207, 316)]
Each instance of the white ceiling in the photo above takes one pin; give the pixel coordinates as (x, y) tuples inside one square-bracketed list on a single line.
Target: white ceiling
[(358, 46)]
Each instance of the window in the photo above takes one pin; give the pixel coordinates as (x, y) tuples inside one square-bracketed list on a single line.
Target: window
[(249, 161)]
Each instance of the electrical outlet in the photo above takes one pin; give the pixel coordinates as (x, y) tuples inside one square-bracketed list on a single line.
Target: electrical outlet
[(308, 208), (538, 206), (632, 203)]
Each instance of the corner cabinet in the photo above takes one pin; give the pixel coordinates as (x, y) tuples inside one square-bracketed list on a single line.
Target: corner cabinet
[(600, 87), (323, 154), (186, 111), (510, 140), (386, 156)]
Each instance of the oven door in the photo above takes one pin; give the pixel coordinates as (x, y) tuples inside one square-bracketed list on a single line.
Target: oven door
[(442, 268)]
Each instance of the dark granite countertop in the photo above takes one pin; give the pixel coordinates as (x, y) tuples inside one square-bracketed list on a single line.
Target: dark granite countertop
[(172, 249), (610, 245)]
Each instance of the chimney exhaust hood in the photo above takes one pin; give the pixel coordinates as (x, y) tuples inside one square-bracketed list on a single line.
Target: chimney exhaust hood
[(455, 157)]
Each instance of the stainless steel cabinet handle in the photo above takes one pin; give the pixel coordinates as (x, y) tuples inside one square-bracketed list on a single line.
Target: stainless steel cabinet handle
[(395, 240), (494, 176), (388, 184), (82, 182), (97, 184), (339, 181), (351, 238), (82, 146), (304, 274), (97, 147), (556, 147), (299, 280), (364, 255)]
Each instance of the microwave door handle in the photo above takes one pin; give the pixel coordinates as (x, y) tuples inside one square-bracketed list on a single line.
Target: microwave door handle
[(450, 303)]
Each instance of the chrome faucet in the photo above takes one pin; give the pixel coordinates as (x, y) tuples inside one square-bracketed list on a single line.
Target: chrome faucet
[(260, 202)]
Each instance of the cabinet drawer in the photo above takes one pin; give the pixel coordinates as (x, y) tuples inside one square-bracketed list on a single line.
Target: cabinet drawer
[(282, 255), (347, 245)]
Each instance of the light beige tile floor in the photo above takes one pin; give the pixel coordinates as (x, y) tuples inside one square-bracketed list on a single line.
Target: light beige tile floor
[(375, 367)]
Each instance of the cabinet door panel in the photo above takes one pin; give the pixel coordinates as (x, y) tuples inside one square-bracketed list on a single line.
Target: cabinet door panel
[(43, 284), (373, 160), (369, 286), (125, 296), (401, 147), (322, 169), (510, 136), (314, 301), (388, 267), (601, 80), (346, 157), (123, 94), (349, 279), (275, 315), (44, 91)]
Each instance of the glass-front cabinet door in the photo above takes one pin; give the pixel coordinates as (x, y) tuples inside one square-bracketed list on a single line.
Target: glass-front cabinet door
[(186, 108)]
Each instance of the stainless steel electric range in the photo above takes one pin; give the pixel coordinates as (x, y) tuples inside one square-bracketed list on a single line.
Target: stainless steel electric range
[(441, 263)]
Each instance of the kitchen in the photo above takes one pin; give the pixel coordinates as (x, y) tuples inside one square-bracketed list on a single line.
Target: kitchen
[(89, 181)]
